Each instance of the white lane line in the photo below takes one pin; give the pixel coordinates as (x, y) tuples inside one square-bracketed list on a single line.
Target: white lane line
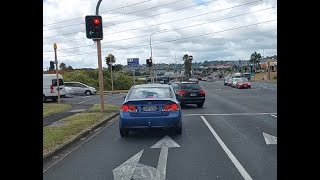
[(273, 115), (111, 122), (113, 98), (234, 160), (229, 114), (88, 100)]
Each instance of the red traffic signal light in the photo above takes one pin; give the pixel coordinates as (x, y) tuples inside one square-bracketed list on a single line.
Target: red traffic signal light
[(96, 21)]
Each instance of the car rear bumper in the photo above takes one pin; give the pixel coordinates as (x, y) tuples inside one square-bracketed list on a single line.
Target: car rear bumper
[(127, 121), (192, 100)]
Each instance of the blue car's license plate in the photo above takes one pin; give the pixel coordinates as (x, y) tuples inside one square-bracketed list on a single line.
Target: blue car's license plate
[(149, 108)]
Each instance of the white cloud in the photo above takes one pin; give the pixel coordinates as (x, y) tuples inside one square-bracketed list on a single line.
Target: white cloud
[(228, 45)]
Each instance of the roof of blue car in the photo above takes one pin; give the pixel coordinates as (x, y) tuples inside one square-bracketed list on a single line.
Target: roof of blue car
[(150, 85)]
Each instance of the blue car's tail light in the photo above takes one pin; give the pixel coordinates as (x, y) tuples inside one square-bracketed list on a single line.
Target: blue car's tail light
[(128, 108), (170, 107)]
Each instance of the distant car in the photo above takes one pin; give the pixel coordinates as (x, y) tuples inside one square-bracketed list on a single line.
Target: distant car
[(189, 93), (69, 92), (247, 75), (229, 81), (150, 106), (194, 80), (80, 88), (234, 82), (50, 87), (243, 83)]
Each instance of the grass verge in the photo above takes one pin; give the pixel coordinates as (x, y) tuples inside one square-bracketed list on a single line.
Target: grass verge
[(52, 108), (72, 126)]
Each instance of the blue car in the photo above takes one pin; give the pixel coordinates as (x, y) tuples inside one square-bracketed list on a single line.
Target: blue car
[(150, 106)]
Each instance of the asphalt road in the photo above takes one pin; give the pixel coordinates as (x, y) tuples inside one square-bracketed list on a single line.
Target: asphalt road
[(231, 137)]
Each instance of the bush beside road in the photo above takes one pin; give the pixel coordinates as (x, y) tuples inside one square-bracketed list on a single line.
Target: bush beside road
[(52, 108), (62, 132)]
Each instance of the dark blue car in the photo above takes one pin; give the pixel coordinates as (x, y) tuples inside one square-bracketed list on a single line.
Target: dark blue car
[(150, 106)]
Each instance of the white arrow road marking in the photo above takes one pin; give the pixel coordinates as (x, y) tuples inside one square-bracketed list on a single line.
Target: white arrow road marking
[(273, 115), (269, 139), (131, 169), (234, 160), (144, 172), (165, 143), (126, 170)]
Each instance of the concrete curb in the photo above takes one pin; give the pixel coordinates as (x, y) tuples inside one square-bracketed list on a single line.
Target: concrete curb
[(86, 132)]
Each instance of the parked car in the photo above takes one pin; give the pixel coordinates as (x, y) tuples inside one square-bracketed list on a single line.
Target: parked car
[(234, 82), (243, 83), (50, 87), (80, 88), (69, 92), (189, 93), (150, 106)]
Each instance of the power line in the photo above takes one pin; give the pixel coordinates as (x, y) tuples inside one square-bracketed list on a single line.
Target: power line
[(145, 35), (240, 27), (121, 14), (138, 18), (172, 20), (101, 13)]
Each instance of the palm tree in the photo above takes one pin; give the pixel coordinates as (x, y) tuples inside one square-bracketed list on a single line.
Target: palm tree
[(187, 65), (254, 59), (63, 66)]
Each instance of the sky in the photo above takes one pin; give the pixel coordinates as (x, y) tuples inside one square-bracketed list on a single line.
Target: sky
[(206, 29)]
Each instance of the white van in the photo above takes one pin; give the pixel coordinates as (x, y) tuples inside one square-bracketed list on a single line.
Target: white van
[(50, 87)]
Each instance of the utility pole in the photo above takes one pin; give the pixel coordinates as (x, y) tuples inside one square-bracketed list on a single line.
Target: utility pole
[(57, 72)]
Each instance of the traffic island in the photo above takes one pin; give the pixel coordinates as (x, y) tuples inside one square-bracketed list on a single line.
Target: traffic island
[(61, 134)]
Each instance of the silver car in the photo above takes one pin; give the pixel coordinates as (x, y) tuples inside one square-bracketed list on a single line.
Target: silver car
[(80, 88), (234, 82), (69, 92)]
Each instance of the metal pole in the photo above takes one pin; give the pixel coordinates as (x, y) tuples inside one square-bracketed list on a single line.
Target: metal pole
[(111, 78), (152, 74), (57, 72), (100, 65), (269, 70), (134, 76)]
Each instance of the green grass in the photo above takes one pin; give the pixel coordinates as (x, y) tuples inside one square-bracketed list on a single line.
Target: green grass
[(107, 108), (52, 108), (75, 124)]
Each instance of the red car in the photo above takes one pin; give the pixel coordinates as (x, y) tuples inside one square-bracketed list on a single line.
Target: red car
[(243, 83)]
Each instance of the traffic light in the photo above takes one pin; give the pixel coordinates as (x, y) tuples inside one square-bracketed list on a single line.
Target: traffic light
[(149, 62), (51, 65), (191, 58), (94, 28)]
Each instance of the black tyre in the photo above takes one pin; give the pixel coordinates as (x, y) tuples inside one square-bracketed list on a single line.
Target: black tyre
[(44, 99), (179, 130), (124, 132), (199, 105), (54, 99), (88, 93)]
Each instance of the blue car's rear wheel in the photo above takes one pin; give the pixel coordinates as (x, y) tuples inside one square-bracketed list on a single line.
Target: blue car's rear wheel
[(124, 132), (179, 129)]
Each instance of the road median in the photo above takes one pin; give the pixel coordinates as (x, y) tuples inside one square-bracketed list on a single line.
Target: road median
[(60, 135), (53, 108)]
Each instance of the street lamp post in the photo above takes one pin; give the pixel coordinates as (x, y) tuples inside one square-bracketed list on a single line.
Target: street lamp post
[(152, 72)]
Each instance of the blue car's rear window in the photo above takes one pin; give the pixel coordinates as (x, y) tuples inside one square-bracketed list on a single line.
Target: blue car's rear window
[(150, 92)]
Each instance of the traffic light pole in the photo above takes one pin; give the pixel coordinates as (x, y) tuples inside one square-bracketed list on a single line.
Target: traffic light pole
[(100, 65)]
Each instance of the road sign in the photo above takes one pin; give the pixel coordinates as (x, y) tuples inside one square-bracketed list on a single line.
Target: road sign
[(132, 169), (133, 62)]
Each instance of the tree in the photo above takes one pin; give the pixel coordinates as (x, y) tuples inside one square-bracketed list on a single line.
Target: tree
[(69, 68), (206, 63), (118, 67), (110, 59), (255, 59), (63, 66), (187, 65)]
